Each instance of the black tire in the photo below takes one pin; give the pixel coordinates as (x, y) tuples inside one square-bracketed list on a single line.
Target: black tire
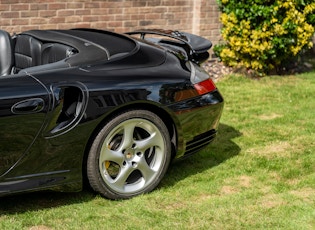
[(130, 155)]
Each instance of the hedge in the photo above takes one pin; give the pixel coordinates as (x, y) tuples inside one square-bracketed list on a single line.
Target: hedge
[(263, 35)]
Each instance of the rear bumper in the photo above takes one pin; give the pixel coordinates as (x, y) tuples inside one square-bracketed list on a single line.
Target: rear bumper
[(198, 120)]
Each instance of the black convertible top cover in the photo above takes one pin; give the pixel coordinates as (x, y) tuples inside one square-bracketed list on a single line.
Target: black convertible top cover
[(92, 45)]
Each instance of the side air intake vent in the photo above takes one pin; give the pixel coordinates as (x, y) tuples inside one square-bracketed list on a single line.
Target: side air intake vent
[(69, 108)]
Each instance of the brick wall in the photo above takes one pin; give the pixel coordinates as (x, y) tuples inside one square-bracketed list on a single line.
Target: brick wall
[(197, 16)]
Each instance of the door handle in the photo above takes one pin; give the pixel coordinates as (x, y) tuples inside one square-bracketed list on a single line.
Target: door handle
[(28, 106)]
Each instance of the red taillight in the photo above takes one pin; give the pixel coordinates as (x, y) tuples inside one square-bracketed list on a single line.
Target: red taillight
[(205, 86)]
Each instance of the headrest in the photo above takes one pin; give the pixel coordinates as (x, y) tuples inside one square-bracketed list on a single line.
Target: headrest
[(6, 53)]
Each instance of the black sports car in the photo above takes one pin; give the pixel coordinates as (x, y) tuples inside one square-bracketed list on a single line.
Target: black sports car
[(115, 109)]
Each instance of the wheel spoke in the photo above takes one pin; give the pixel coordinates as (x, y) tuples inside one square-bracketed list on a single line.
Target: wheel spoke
[(111, 155), (128, 130), (153, 140), (146, 171), (120, 180)]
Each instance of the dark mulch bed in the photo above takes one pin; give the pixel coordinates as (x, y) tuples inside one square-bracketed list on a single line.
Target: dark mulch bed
[(217, 69)]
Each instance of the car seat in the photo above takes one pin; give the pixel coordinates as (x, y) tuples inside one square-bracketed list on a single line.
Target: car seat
[(27, 52)]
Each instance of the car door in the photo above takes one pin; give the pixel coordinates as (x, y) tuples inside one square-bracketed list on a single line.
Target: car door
[(24, 103)]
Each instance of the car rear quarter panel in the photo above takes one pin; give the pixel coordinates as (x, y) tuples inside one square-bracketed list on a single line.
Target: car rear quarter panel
[(111, 90)]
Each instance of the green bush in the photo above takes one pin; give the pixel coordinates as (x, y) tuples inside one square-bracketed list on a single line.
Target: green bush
[(262, 35)]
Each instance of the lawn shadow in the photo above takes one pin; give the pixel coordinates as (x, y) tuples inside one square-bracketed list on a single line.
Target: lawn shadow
[(220, 150), (35, 201)]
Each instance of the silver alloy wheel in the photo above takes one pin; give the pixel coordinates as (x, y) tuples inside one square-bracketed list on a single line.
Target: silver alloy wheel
[(131, 155)]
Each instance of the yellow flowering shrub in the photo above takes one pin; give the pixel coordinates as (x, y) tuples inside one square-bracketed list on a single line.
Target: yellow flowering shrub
[(262, 35)]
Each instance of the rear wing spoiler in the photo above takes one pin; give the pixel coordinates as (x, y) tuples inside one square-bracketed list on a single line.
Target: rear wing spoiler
[(196, 47)]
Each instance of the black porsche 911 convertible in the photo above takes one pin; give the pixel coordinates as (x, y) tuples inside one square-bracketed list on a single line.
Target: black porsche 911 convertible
[(114, 109)]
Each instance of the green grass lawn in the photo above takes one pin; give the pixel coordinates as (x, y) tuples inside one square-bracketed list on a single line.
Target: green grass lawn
[(258, 174)]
